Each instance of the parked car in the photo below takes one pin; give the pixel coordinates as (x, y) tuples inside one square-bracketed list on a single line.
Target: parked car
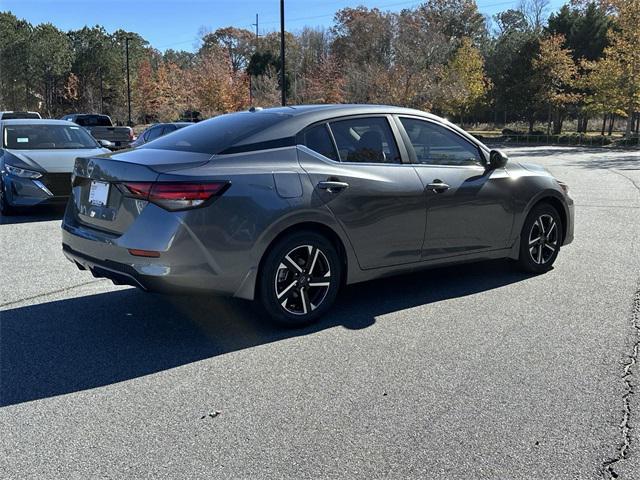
[(36, 161), (10, 115), (157, 131), (102, 128), (286, 205)]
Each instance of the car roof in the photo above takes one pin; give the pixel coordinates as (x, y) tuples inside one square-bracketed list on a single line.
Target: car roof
[(86, 115), (36, 121), (301, 116)]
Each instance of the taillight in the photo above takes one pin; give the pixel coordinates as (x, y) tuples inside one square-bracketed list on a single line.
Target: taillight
[(176, 195)]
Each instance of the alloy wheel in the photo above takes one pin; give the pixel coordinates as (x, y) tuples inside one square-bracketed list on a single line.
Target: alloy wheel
[(543, 239), (302, 279)]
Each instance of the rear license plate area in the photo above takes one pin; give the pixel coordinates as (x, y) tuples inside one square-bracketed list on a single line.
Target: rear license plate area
[(98, 193)]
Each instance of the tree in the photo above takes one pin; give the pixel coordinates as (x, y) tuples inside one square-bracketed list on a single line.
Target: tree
[(145, 98), (511, 21), (215, 87), (325, 83), (603, 89), (50, 63), (464, 82), (455, 19), (585, 30), (535, 11), (624, 52), (238, 43), (555, 74), (509, 65)]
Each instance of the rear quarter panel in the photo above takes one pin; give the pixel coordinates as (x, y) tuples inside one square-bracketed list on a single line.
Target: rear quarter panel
[(269, 193)]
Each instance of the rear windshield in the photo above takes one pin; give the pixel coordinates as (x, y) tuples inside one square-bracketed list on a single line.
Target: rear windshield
[(216, 134), (46, 137), (94, 121), (17, 115)]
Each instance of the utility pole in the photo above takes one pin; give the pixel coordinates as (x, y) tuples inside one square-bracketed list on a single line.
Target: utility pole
[(101, 93), (256, 25), (283, 87), (126, 43), (250, 86)]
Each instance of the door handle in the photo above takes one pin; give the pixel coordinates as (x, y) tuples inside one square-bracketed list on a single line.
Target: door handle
[(332, 186), (438, 186)]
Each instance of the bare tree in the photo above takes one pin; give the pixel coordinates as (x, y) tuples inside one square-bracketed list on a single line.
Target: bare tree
[(535, 11)]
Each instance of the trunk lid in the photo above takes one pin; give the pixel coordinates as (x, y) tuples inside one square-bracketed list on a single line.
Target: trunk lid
[(99, 198)]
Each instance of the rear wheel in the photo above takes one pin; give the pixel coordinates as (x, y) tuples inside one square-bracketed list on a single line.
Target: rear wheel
[(540, 239), (300, 278)]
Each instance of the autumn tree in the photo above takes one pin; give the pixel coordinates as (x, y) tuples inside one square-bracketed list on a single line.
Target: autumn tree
[(325, 82), (238, 43), (604, 91), (464, 83), (145, 98), (215, 87), (555, 75)]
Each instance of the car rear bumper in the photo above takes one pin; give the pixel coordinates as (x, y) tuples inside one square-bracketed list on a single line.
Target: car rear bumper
[(183, 266)]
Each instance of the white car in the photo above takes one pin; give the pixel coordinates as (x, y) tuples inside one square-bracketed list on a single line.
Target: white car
[(11, 115), (36, 161)]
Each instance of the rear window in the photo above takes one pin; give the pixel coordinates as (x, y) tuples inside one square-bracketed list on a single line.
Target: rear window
[(94, 121), (216, 134), (19, 115)]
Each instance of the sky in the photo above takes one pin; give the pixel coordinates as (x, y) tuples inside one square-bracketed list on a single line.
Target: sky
[(175, 23)]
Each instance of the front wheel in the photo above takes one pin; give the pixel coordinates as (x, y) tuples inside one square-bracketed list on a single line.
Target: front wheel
[(540, 239), (300, 278), (5, 208)]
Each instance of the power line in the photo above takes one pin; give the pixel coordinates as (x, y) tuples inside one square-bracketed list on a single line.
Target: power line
[(314, 17)]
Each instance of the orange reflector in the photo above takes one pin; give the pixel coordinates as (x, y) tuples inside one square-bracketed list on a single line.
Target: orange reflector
[(144, 253)]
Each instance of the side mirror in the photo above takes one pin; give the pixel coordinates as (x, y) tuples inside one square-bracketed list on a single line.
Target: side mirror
[(497, 159), (105, 143)]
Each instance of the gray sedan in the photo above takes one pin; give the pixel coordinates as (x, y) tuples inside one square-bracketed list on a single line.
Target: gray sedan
[(286, 205), (36, 160)]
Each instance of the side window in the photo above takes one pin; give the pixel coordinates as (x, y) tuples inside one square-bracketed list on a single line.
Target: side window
[(437, 145), (168, 129), (317, 139), (153, 133), (366, 139)]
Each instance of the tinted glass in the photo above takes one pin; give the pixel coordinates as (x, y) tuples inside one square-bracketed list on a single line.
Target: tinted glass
[(14, 115), (153, 133), (93, 121), (168, 129), (318, 139), (437, 145), (46, 137), (218, 133), (367, 140)]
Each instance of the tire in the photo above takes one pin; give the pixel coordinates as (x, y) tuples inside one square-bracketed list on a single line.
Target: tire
[(6, 210), (291, 294), (540, 239)]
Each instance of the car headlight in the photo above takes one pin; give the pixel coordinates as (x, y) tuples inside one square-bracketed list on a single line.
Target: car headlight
[(22, 172)]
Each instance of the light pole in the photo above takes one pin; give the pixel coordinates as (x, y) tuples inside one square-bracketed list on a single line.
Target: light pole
[(283, 87), (126, 46)]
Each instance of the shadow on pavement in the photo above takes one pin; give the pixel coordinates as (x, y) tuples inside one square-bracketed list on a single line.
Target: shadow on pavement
[(39, 214), (597, 158), (70, 345)]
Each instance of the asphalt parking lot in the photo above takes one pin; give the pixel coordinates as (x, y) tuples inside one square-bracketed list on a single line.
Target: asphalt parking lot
[(476, 371)]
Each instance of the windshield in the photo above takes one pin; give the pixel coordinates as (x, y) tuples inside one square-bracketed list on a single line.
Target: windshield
[(46, 137), (94, 121), (216, 134)]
